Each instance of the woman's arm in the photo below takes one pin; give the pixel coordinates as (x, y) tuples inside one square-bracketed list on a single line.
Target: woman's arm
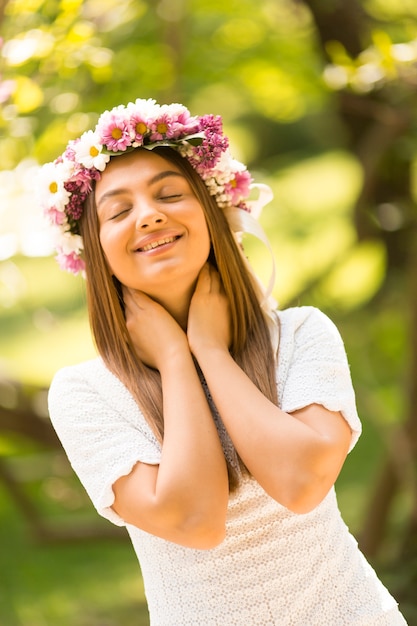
[(295, 457), (183, 499)]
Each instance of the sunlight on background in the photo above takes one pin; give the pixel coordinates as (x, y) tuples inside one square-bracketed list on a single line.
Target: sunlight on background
[(22, 227), (309, 225)]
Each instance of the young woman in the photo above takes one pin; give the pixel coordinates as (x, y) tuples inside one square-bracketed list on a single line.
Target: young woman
[(212, 426)]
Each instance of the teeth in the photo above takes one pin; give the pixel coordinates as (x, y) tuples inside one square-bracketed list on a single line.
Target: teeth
[(155, 244)]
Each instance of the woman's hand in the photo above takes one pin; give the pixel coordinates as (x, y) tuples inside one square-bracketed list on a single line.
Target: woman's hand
[(155, 335), (184, 498), (209, 317)]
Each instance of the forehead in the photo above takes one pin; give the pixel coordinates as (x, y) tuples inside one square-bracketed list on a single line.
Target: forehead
[(141, 165)]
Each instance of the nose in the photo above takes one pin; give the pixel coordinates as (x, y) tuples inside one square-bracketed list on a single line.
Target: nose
[(148, 217)]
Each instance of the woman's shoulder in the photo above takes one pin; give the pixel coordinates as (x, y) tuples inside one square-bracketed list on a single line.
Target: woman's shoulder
[(88, 379), (92, 372), (92, 367), (298, 318), (92, 389), (306, 331), (313, 367)]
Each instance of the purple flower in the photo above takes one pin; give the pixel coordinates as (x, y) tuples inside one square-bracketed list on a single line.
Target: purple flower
[(75, 206), (214, 144)]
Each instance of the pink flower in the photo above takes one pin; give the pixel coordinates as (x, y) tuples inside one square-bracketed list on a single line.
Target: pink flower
[(160, 127), (179, 121), (55, 217), (69, 153), (82, 180), (139, 128), (238, 187), (113, 130), (71, 262), (190, 124)]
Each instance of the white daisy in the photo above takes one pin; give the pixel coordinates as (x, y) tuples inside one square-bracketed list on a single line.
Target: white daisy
[(88, 152), (51, 186)]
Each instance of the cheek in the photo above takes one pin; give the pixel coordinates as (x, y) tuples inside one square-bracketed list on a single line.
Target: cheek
[(110, 250), (203, 230), (110, 239)]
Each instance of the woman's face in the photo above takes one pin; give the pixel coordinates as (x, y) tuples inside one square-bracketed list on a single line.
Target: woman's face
[(152, 228)]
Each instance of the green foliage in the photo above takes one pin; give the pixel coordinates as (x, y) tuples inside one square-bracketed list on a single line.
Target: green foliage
[(71, 58), (84, 584), (44, 323), (310, 228)]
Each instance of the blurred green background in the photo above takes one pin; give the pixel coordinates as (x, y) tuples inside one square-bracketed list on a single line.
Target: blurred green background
[(319, 99)]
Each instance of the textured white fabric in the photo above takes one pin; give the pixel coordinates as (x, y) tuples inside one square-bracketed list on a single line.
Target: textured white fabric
[(274, 568)]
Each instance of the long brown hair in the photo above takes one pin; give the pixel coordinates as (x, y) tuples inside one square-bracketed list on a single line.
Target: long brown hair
[(251, 344)]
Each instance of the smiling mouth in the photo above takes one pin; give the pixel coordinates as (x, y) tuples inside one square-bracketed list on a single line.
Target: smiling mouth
[(157, 244)]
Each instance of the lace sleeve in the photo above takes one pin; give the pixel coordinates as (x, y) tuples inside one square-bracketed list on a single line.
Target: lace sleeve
[(101, 429), (316, 366)]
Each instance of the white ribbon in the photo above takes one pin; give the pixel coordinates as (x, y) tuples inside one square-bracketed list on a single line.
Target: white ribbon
[(242, 221), (265, 196)]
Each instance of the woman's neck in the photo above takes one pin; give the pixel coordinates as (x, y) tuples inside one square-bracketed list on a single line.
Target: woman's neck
[(177, 304)]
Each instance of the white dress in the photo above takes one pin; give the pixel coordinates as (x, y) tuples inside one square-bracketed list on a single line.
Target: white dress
[(275, 567)]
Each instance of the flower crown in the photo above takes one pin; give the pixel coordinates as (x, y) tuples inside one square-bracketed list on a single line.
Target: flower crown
[(66, 182)]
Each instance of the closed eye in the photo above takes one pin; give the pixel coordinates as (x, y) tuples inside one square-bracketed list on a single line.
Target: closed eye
[(119, 213), (171, 197)]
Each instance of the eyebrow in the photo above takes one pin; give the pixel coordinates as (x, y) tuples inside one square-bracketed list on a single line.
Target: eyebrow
[(155, 179)]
